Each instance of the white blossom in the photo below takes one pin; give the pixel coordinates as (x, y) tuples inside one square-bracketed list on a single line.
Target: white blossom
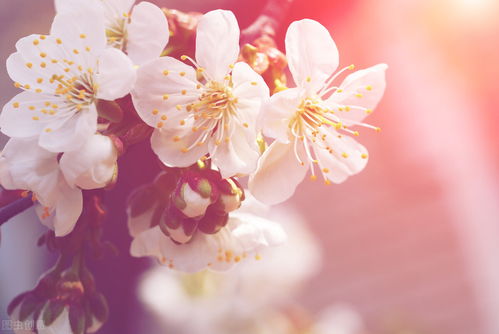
[(25, 165), (139, 30), (311, 123), (243, 238), (214, 115), (63, 75)]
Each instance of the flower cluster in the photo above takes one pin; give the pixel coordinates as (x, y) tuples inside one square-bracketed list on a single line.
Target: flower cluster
[(93, 89)]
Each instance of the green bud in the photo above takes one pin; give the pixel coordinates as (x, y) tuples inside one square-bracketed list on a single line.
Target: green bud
[(204, 188)]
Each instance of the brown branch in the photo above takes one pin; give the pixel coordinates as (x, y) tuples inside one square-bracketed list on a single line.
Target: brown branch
[(269, 21)]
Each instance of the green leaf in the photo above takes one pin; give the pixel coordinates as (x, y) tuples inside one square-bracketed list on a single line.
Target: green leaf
[(52, 311)]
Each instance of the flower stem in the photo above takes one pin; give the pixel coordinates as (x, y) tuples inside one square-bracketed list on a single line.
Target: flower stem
[(13, 209)]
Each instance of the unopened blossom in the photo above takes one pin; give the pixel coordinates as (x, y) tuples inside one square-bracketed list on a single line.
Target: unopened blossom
[(93, 166), (214, 115), (141, 31), (60, 325), (311, 123), (25, 165), (241, 238), (63, 75)]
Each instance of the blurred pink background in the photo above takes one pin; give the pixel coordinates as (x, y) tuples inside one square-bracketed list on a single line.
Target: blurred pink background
[(413, 241)]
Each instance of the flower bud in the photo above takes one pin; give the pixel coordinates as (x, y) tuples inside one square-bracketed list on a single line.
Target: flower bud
[(93, 166), (193, 202), (177, 226), (231, 195), (213, 221)]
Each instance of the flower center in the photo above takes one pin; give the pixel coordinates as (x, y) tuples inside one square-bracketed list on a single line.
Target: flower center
[(215, 102), (116, 33), (310, 116), (79, 91)]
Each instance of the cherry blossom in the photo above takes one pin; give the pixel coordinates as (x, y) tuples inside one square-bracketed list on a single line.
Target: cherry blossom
[(215, 115), (141, 30), (311, 122), (243, 237), (63, 75), (25, 165)]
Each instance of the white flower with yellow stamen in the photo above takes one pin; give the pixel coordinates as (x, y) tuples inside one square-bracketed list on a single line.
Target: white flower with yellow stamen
[(63, 75), (216, 114), (56, 180), (25, 165), (245, 235), (141, 31), (311, 122)]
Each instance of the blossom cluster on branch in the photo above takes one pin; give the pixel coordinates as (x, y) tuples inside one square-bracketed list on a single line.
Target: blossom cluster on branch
[(111, 74)]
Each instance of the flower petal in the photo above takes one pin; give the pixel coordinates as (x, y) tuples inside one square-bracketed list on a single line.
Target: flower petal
[(27, 166), (68, 209), (162, 85), (251, 92), (244, 234), (217, 43), (347, 158), (171, 146), (93, 165), (238, 155), (311, 52), (277, 113), (69, 134), (148, 33), (21, 117), (364, 89), (278, 174), (60, 325), (75, 32), (65, 6), (115, 76)]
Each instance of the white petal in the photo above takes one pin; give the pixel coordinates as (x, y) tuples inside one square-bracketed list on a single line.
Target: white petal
[(169, 145), (40, 58), (70, 27), (217, 43), (147, 243), (70, 133), (28, 166), (196, 205), (251, 92), (115, 76), (68, 209), (148, 33), (238, 155), (278, 112), (21, 117), (119, 7), (60, 325), (140, 223), (244, 235), (311, 52), (369, 83), (278, 174), (74, 6), (93, 165), (348, 157), (159, 90)]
